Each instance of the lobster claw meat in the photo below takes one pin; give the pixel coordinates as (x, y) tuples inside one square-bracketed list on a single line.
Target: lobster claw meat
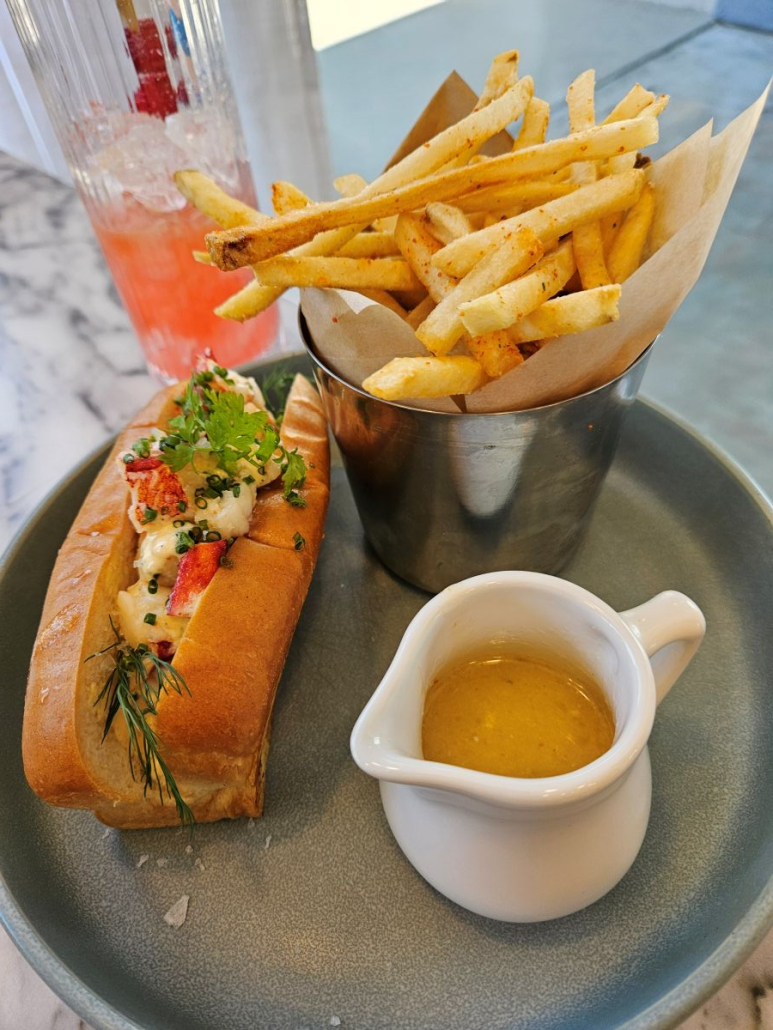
[(196, 569)]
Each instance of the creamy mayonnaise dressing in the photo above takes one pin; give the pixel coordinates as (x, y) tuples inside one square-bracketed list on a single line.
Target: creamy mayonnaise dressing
[(142, 609)]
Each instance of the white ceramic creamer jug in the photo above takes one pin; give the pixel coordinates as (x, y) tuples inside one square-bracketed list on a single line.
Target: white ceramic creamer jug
[(524, 850)]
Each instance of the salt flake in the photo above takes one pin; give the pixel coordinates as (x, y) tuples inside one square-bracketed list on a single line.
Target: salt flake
[(178, 913), (161, 862), (268, 842), (335, 1021), (142, 860)]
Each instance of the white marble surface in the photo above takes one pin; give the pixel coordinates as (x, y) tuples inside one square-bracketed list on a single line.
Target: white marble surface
[(71, 372)]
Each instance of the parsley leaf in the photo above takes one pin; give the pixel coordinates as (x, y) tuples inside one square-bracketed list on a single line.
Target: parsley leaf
[(293, 478), (232, 431)]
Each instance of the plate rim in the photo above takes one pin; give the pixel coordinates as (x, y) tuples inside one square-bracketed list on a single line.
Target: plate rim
[(664, 1014)]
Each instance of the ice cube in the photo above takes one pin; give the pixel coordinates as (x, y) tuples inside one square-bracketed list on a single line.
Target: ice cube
[(142, 162), (209, 142)]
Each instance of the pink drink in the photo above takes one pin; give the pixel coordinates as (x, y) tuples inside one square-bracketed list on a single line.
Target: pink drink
[(170, 297)]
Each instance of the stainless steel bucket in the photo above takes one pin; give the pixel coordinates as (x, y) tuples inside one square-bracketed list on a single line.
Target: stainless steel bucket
[(443, 497)]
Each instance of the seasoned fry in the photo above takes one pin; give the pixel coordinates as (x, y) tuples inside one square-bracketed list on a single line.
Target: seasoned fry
[(287, 197), (609, 226), (571, 314), (370, 244), (417, 245), (502, 75), (554, 219), (441, 330), (586, 239), (495, 352), (416, 317), (514, 300), (580, 101), (622, 162), (382, 297), (247, 245), (405, 378), (447, 222), (535, 124), (626, 252), (632, 104), (352, 184), (342, 272), (199, 190), (588, 246), (518, 196)]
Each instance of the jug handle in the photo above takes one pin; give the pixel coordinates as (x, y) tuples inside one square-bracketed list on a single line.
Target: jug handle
[(670, 628)]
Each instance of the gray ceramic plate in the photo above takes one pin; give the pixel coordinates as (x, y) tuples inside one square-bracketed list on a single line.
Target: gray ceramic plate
[(312, 912)]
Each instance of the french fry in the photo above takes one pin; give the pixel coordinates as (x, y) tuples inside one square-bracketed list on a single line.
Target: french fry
[(406, 378), (586, 239), (417, 245), (571, 314), (447, 222), (632, 104), (495, 352), (622, 162), (352, 184), (287, 197), (443, 327), (370, 245), (515, 300), (588, 246), (551, 220), (199, 190), (609, 226), (415, 317), (535, 124), (382, 297), (518, 195), (248, 244), (502, 75), (580, 101), (340, 272), (626, 252)]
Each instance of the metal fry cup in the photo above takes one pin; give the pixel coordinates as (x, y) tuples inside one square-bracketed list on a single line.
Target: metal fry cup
[(444, 497)]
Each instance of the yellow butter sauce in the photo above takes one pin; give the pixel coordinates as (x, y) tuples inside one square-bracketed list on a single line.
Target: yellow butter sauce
[(515, 715)]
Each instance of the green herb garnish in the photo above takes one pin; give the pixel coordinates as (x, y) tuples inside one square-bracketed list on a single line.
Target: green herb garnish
[(293, 478), (153, 585), (275, 388), (150, 618), (131, 690), (214, 423), (300, 541), (149, 515)]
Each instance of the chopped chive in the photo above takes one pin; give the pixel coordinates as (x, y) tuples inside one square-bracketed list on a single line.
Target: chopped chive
[(236, 490), (182, 505), (213, 535), (203, 523), (149, 516), (128, 458), (201, 503), (153, 586), (300, 542), (249, 480), (150, 618)]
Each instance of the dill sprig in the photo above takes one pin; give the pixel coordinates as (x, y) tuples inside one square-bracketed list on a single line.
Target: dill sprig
[(130, 689)]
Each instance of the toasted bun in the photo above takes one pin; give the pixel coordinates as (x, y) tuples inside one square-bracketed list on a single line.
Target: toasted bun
[(231, 656)]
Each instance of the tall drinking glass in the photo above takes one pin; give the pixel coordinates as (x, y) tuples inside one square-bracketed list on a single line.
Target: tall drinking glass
[(137, 89)]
